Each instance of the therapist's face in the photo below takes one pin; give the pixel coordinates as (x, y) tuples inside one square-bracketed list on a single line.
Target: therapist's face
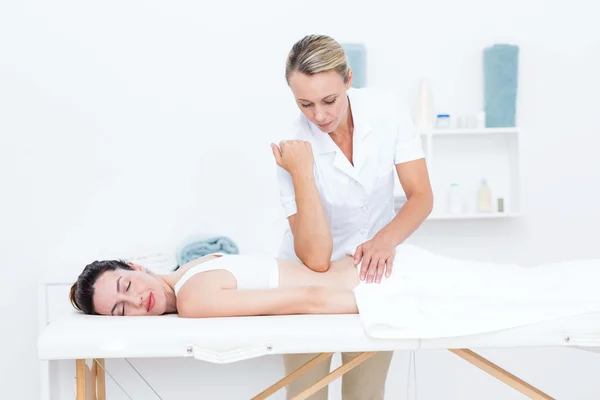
[(321, 97), (129, 292)]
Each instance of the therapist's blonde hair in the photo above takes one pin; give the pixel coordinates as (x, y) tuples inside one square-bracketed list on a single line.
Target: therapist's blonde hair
[(317, 53)]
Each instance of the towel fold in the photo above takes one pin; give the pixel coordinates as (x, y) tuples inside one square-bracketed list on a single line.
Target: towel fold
[(433, 296), (199, 247), (158, 263), (500, 73)]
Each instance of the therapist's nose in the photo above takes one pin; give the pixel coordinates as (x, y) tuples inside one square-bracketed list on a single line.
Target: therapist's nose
[(320, 115)]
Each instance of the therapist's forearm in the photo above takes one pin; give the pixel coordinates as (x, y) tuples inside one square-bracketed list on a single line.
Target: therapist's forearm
[(313, 242), (416, 209)]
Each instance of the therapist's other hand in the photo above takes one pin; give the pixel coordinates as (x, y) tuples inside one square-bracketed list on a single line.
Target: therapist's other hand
[(295, 156), (377, 257)]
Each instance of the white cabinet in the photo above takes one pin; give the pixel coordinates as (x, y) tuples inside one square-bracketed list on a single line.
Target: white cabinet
[(466, 157)]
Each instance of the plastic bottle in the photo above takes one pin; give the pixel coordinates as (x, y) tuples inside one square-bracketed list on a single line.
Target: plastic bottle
[(484, 197), (442, 121), (424, 114), (481, 120)]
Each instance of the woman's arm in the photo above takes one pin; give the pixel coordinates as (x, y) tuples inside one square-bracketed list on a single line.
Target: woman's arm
[(313, 243), (414, 179), (212, 301)]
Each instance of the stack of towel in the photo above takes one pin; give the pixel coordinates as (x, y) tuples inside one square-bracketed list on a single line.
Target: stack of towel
[(500, 73), (163, 262), (195, 248), (158, 263), (356, 54)]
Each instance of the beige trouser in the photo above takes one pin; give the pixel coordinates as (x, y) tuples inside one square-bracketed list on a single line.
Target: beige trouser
[(364, 382)]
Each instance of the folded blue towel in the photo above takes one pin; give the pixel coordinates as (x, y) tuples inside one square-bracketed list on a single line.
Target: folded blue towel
[(501, 73), (356, 53), (195, 249)]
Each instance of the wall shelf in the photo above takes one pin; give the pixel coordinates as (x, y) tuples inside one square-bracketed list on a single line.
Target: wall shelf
[(493, 215), (478, 132), (466, 157)]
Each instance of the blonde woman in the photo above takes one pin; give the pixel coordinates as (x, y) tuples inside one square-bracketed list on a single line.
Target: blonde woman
[(336, 180)]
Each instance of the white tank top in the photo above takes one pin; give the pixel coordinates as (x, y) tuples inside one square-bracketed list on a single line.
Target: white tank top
[(250, 272)]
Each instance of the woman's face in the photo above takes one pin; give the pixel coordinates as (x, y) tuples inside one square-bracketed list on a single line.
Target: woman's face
[(321, 97), (129, 293)]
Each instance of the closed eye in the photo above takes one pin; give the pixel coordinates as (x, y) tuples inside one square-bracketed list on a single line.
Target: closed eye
[(127, 289), (330, 102)]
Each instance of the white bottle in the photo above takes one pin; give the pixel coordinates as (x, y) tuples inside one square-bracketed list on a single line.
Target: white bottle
[(484, 198), (481, 120), (424, 113), (455, 205)]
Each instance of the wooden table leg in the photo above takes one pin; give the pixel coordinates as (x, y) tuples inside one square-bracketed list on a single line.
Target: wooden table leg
[(100, 379), (501, 374), (81, 379), (341, 370), (293, 376)]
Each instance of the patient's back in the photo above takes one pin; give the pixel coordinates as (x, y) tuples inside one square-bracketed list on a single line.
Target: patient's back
[(341, 274)]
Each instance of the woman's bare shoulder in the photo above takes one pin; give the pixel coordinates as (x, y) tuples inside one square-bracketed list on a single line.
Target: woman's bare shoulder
[(200, 290)]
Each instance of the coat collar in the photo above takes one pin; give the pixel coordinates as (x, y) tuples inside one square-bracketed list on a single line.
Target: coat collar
[(362, 128)]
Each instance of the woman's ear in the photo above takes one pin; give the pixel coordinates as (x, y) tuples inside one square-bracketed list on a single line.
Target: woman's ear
[(349, 83), (136, 267)]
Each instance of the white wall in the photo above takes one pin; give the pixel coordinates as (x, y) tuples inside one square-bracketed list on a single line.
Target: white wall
[(125, 127)]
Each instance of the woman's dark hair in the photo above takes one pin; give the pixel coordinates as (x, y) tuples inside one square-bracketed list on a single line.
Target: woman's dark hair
[(82, 291)]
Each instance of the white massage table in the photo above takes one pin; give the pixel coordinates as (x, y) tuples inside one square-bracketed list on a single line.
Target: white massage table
[(92, 339)]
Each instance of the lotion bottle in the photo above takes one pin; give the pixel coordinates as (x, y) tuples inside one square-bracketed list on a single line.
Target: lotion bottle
[(484, 198)]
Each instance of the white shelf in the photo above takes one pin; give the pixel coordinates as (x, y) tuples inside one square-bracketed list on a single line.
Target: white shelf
[(466, 156), (400, 200), (481, 131), (493, 215)]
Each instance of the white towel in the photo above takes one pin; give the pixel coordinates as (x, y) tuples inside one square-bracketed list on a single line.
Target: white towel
[(432, 296), (158, 263)]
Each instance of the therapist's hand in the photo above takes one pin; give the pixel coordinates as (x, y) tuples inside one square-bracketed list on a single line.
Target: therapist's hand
[(377, 257), (295, 156)]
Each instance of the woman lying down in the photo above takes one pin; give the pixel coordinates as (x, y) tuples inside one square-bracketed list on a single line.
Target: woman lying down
[(426, 295), (216, 285)]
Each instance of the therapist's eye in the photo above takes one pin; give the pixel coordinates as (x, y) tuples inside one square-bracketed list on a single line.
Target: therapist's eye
[(330, 102), (305, 105)]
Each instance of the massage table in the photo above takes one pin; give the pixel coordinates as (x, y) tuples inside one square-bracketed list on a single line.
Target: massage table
[(90, 340)]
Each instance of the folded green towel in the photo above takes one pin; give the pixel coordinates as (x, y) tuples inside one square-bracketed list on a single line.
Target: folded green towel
[(356, 54), (500, 74), (194, 249)]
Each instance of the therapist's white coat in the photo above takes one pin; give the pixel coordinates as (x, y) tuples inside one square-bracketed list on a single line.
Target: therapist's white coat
[(357, 200)]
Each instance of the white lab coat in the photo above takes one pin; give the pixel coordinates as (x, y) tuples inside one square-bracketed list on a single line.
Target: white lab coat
[(358, 200)]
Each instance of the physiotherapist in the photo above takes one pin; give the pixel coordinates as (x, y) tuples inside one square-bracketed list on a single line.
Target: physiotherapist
[(337, 176)]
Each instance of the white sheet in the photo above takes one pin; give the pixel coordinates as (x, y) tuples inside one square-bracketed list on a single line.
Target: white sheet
[(432, 296), (226, 340)]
